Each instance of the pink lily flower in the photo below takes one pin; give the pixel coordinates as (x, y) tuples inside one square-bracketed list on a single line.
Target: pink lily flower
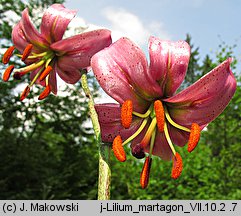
[(46, 54), (151, 114)]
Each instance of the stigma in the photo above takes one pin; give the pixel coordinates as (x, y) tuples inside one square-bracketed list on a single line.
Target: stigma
[(40, 62), (155, 120)]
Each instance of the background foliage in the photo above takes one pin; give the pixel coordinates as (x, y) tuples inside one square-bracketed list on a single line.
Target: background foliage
[(48, 150)]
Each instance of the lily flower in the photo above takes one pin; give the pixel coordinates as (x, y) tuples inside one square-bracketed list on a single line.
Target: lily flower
[(46, 54), (151, 114)]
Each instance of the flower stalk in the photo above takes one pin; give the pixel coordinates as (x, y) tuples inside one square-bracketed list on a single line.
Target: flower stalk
[(104, 149)]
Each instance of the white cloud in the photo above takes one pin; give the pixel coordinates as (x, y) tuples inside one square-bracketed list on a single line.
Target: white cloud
[(124, 23)]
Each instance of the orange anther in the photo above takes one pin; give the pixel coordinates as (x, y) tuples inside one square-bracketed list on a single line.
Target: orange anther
[(160, 115), (7, 55), (118, 149), (126, 113), (25, 93), (176, 166), (45, 73), (27, 51), (194, 137), (45, 93), (145, 173), (7, 73)]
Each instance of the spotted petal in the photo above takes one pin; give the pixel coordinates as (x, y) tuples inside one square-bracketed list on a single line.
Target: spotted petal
[(168, 63), (55, 21), (69, 76), (83, 47), (205, 100), (121, 70), (18, 37), (110, 122)]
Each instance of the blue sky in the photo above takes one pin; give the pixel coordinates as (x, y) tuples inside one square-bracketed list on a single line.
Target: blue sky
[(206, 20)]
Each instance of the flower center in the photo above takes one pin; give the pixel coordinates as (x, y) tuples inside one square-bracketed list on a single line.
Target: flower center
[(157, 118), (40, 62)]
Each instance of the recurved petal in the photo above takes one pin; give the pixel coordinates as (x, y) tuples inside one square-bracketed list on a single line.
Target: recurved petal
[(91, 41), (204, 100), (55, 21), (30, 32), (114, 81), (168, 63), (70, 76), (110, 122), (85, 45), (18, 37), (127, 60)]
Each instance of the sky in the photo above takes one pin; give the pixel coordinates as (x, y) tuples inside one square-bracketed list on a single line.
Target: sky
[(209, 22)]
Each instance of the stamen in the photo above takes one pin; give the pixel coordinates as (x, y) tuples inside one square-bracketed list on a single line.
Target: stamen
[(7, 55), (146, 114), (48, 61), (169, 139), (25, 93), (118, 149), (147, 137), (34, 55), (194, 137), (37, 76), (153, 137), (27, 52), (7, 73), (143, 124), (126, 113), (45, 93), (31, 67), (45, 73), (177, 166), (174, 123), (145, 173), (160, 116)]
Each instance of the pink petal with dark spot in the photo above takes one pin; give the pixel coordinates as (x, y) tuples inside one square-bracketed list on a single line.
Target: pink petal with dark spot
[(55, 21), (168, 63), (206, 99)]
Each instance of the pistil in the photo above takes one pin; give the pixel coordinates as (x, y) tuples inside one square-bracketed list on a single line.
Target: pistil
[(145, 141)]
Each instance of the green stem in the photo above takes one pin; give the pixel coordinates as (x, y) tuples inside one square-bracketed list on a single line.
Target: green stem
[(104, 149)]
